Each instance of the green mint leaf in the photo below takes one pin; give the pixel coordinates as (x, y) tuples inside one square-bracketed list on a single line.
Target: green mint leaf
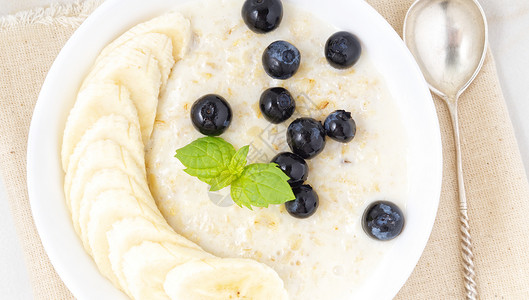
[(207, 159), (215, 162), (203, 173), (238, 161), (261, 185), (223, 180), (217, 181)]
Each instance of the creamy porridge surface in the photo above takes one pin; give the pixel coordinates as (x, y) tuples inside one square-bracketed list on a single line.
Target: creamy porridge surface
[(327, 255)]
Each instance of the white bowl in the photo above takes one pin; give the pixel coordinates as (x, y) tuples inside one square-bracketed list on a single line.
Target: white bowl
[(386, 50)]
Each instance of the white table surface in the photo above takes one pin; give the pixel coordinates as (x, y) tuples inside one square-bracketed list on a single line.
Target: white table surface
[(508, 26)]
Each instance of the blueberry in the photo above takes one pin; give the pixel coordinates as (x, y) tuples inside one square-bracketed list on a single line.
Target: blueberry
[(383, 220), (262, 16), (306, 137), (294, 166), (211, 115), (305, 204), (343, 50), (281, 60), (340, 126), (277, 105)]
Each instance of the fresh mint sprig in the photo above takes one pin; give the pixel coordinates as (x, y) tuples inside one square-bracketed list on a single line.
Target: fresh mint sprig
[(214, 161)]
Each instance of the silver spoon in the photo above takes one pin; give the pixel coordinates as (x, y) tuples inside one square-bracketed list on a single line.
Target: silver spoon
[(449, 41)]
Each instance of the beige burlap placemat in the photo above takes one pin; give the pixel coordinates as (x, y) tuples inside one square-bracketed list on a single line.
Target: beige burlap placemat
[(498, 190)]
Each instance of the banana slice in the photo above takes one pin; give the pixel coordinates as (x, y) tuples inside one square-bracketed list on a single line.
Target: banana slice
[(146, 266), (157, 44), (104, 180), (138, 71), (103, 154), (109, 208), (131, 232), (113, 127), (172, 24), (218, 278), (94, 102)]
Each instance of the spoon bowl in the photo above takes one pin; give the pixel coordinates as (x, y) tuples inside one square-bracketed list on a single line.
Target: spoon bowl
[(449, 41)]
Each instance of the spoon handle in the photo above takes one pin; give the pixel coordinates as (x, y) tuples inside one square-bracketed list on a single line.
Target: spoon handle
[(466, 241)]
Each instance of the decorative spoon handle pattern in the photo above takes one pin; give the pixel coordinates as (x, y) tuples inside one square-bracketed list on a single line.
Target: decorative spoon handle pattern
[(466, 240)]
